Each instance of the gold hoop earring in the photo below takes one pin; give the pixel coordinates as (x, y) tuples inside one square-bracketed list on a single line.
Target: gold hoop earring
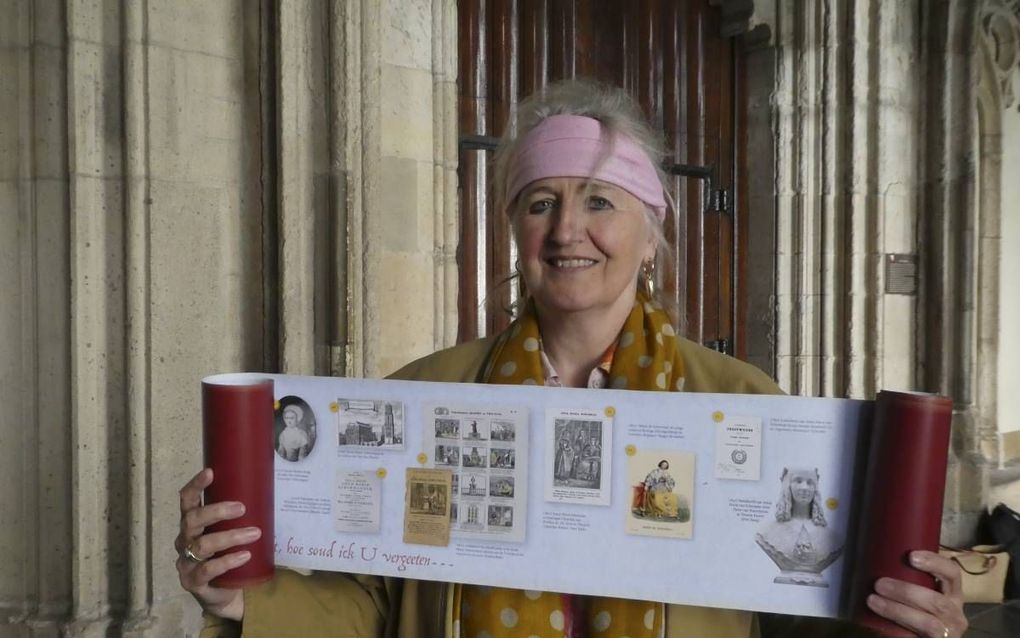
[(648, 278), (522, 289)]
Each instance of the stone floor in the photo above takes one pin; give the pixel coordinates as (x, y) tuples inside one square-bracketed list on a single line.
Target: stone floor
[(994, 621)]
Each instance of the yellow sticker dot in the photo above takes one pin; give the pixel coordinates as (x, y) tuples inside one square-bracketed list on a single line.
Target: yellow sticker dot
[(422, 458), (631, 449), (276, 405), (334, 407), (381, 472), (718, 416), (610, 411), (832, 503)]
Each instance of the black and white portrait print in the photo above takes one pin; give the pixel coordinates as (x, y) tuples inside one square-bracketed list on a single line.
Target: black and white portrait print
[(578, 454), (294, 429)]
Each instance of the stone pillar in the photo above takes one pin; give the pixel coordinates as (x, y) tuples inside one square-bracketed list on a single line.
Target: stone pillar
[(844, 122), (409, 282), (956, 296), (35, 334), (132, 265), (367, 113)]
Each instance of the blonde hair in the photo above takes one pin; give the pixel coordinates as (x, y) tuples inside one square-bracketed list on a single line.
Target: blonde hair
[(619, 114)]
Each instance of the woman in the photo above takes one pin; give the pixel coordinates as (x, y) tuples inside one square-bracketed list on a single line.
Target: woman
[(293, 442), (659, 499), (586, 199)]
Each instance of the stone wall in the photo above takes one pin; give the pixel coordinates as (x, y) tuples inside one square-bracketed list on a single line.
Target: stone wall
[(133, 266), (844, 194), (192, 187)]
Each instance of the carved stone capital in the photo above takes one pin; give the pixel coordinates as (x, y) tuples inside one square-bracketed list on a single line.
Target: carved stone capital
[(1000, 32)]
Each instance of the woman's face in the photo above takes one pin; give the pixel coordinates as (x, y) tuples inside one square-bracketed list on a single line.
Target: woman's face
[(802, 488), (581, 244), (290, 419)]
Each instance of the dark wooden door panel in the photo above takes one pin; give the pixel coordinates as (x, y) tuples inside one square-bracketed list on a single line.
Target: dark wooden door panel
[(670, 56)]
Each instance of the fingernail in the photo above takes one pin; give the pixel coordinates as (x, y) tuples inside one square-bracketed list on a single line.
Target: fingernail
[(882, 586), (874, 601), (237, 509), (242, 557), (251, 533), (916, 559)]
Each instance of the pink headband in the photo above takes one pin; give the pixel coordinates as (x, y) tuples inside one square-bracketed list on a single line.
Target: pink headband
[(573, 146)]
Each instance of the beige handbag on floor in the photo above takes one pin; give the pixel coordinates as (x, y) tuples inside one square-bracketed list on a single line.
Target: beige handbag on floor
[(984, 571)]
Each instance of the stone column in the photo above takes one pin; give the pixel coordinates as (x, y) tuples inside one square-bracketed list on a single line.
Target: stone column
[(132, 265), (35, 333), (367, 113), (845, 132), (409, 225), (953, 303)]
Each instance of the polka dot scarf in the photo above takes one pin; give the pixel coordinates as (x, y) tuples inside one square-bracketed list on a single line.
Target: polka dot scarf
[(492, 612), (645, 358)]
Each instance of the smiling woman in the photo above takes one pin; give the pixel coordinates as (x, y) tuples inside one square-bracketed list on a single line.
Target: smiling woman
[(582, 187), (581, 246)]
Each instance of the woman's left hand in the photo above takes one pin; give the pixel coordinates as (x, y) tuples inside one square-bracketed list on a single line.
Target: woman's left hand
[(936, 614)]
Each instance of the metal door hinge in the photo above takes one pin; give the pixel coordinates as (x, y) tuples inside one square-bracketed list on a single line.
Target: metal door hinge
[(721, 201), (724, 346)]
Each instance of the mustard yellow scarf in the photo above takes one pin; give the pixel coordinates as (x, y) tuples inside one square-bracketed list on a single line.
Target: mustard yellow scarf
[(646, 357)]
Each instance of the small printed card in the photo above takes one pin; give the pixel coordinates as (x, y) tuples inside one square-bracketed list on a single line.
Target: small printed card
[(578, 468), (738, 448), (358, 502), (427, 507), (661, 486)]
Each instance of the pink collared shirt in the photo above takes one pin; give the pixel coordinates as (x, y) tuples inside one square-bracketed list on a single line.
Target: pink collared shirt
[(598, 378)]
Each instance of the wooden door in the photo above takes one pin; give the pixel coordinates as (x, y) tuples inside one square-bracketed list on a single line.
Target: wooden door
[(670, 55)]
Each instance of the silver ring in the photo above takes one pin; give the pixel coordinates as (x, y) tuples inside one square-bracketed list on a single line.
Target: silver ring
[(945, 631), (194, 558)]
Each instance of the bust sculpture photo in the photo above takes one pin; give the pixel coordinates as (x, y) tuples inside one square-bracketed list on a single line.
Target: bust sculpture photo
[(799, 541)]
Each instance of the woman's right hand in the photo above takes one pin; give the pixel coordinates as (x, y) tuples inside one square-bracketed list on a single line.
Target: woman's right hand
[(195, 575)]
